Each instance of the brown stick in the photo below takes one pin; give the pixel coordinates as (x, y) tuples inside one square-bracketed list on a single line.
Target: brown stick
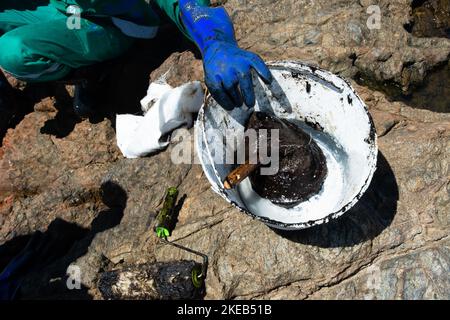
[(239, 174)]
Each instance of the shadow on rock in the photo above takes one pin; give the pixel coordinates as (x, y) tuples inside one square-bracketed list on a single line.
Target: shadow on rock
[(368, 218), (20, 106), (65, 120), (35, 266)]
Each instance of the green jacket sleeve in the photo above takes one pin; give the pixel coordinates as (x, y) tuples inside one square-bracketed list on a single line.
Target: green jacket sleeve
[(171, 8)]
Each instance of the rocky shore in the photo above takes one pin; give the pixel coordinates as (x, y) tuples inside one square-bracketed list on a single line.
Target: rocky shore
[(65, 179)]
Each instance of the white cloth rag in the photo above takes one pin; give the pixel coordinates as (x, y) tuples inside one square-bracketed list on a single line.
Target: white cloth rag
[(166, 109)]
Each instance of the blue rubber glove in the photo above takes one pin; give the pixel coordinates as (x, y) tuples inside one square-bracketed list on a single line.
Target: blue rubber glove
[(227, 67)]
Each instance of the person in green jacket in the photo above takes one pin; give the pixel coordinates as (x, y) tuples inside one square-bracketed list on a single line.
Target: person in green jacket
[(48, 42)]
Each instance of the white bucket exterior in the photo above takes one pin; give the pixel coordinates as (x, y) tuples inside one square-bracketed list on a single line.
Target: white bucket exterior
[(325, 106)]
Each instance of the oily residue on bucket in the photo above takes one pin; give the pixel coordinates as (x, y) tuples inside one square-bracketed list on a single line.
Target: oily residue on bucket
[(302, 164)]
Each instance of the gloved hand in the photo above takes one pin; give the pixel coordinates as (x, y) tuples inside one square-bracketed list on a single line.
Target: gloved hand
[(227, 67)]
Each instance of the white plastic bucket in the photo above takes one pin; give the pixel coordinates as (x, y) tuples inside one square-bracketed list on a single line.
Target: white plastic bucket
[(325, 106)]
